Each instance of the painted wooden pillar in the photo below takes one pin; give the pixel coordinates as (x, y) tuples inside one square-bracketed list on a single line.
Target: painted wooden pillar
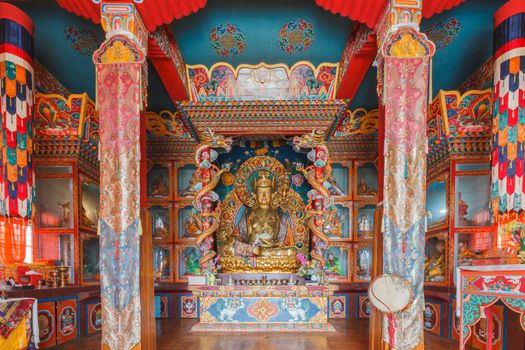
[(16, 131), (508, 127), (121, 87), (403, 88)]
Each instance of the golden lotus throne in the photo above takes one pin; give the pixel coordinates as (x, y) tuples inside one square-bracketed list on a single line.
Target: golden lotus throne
[(263, 221)]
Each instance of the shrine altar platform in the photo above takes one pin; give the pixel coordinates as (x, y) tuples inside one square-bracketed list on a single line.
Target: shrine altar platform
[(263, 308)]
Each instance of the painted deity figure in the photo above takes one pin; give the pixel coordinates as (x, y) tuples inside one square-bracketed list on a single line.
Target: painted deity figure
[(262, 229), (333, 265)]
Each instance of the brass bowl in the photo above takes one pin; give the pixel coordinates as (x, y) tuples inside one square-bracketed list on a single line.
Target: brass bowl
[(262, 264), (64, 269)]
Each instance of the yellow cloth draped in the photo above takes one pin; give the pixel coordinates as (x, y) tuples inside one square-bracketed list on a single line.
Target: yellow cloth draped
[(17, 340)]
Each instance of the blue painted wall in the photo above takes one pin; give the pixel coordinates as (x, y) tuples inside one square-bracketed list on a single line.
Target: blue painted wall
[(260, 21)]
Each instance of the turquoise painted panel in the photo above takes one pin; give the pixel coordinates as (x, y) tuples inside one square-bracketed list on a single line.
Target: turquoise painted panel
[(263, 310)]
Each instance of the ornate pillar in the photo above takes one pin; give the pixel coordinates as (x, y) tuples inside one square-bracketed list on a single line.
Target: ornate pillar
[(121, 87), (16, 133), (403, 88), (508, 127)]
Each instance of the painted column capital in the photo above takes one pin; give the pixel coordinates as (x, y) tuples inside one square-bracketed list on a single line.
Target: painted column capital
[(124, 19)]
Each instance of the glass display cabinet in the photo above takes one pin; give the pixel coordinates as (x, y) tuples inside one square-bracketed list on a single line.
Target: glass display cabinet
[(340, 180), (363, 262), (89, 259), (437, 203), (187, 258), (184, 177), (186, 225), (55, 206), (162, 263), (158, 181), (436, 254), (57, 250), (89, 205), (160, 223), (366, 181), (365, 222), (338, 265)]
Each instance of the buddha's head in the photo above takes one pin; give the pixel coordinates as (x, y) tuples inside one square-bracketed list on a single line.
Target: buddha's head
[(264, 190)]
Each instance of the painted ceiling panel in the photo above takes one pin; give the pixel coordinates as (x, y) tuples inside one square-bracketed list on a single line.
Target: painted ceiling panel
[(257, 24), (463, 38)]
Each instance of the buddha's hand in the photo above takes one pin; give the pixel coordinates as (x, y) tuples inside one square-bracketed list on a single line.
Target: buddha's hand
[(267, 243), (257, 250)]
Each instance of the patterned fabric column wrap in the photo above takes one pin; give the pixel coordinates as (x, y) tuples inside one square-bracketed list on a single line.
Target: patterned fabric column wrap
[(16, 135), (119, 65), (508, 128), (406, 101)]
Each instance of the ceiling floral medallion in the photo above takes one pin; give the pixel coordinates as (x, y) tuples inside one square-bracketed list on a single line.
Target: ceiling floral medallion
[(444, 32), (227, 40), (84, 41), (296, 36)]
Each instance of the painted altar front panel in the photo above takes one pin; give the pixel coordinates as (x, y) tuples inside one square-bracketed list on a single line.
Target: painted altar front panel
[(263, 304), (263, 310)]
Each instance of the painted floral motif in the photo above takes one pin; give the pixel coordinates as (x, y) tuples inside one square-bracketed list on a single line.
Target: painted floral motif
[(84, 41), (263, 310), (296, 36), (227, 40), (444, 32), (297, 180)]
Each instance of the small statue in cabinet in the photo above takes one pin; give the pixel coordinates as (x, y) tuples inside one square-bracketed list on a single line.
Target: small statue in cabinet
[(159, 188), (363, 189), (465, 255), (435, 261)]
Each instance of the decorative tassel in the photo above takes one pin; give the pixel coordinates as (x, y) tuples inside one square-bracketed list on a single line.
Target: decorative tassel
[(140, 228), (98, 228)]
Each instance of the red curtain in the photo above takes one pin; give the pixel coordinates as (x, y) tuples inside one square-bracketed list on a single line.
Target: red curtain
[(153, 12), (369, 11), (13, 234), (5, 242)]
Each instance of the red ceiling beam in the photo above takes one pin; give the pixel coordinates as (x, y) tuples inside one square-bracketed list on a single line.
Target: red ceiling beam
[(360, 51), (167, 60)]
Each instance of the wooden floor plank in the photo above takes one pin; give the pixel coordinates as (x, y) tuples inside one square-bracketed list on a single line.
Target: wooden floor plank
[(173, 334)]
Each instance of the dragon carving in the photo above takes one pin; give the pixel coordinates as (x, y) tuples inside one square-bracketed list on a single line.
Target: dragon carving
[(207, 207), (320, 209)]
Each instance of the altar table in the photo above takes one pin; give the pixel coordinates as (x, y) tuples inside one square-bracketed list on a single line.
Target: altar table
[(479, 287), (18, 324), (263, 308)]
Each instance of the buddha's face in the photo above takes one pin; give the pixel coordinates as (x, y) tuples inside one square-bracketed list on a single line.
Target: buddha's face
[(263, 196)]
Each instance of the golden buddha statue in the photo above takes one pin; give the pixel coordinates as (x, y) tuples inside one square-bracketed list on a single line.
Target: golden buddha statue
[(263, 223), (262, 229), (435, 265)]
